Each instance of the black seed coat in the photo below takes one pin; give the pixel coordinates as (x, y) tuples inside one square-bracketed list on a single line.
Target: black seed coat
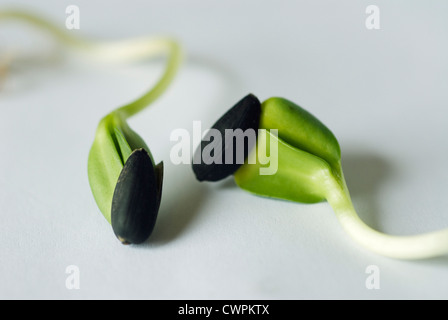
[(243, 115), (136, 199)]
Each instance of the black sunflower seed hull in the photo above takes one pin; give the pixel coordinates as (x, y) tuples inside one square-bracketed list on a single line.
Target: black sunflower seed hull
[(136, 199), (216, 159)]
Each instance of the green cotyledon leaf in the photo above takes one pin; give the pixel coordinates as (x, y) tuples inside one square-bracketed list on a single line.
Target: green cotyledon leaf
[(300, 129), (113, 144), (307, 155), (300, 176)]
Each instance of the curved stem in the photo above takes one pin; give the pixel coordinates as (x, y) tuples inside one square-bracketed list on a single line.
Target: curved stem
[(156, 46), (420, 246), (118, 51), (59, 33)]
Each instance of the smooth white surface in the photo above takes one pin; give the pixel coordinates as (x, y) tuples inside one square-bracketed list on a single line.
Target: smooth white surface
[(382, 92)]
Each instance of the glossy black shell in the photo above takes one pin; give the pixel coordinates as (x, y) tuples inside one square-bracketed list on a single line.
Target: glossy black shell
[(243, 115), (136, 199)]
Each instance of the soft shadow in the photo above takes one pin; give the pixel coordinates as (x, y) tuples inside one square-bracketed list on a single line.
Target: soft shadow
[(434, 261), (228, 183), (180, 206), (364, 173)]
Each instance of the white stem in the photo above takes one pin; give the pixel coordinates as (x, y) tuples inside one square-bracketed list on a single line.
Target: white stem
[(420, 246), (129, 50)]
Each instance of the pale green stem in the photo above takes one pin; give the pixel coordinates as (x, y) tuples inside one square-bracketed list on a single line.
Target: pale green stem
[(420, 246), (115, 52), (59, 33), (155, 46)]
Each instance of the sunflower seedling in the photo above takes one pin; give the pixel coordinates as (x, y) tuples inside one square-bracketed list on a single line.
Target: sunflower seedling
[(125, 182), (310, 171)]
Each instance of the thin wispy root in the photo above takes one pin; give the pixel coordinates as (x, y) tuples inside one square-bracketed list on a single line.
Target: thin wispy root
[(5, 62)]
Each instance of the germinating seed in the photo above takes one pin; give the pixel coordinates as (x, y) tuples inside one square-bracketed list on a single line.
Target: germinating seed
[(228, 143), (136, 198)]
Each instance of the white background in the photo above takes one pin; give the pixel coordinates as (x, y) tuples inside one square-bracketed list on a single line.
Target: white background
[(382, 92)]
